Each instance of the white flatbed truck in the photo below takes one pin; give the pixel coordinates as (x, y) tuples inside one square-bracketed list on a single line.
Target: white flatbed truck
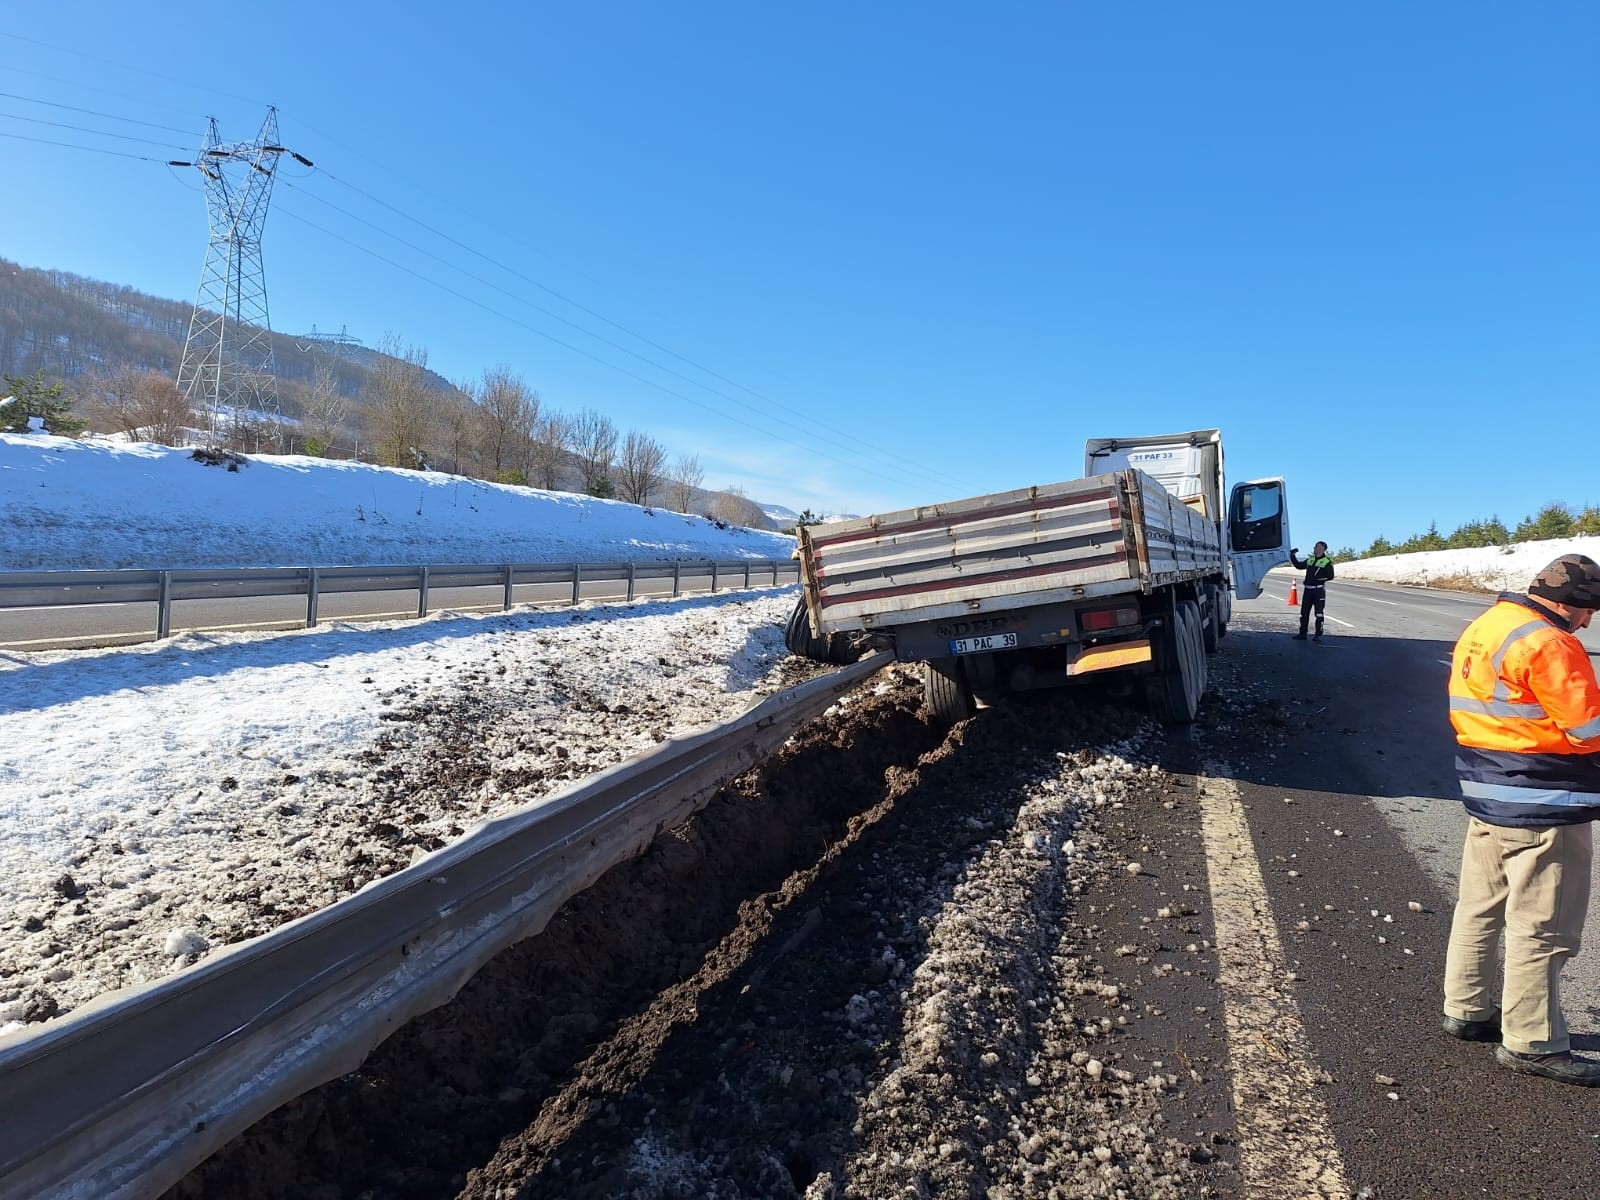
[(1132, 568)]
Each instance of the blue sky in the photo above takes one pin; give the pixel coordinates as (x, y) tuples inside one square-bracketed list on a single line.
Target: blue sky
[(902, 253)]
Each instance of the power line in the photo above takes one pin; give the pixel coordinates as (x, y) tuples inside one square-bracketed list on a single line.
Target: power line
[(22, 137), (124, 137), (921, 468), (110, 62), (93, 113), (734, 400), (569, 346)]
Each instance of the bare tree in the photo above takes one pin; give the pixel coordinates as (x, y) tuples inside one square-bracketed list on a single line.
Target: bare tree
[(552, 442), (508, 412), (142, 404), (594, 441), (116, 402), (685, 480), (458, 418), (732, 507), (639, 473), (168, 419), (324, 409), (400, 415)]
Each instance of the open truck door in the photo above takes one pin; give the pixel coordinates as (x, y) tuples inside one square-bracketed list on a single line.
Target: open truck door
[(1258, 533)]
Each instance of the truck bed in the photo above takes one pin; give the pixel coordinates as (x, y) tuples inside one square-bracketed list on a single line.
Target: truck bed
[(1104, 535)]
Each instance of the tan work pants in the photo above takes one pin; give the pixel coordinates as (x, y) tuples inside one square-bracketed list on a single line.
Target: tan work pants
[(1532, 884)]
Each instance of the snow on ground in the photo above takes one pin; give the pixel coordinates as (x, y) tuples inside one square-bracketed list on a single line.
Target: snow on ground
[(1489, 569), (162, 799), (95, 504)]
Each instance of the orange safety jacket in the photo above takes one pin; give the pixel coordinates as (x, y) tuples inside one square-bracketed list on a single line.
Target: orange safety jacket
[(1525, 705)]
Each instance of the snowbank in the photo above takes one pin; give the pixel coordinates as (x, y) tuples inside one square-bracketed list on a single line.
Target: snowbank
[(1490, 569), (99, 505)]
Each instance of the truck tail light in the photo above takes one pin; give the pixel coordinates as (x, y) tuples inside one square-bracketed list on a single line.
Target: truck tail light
[(1097, 620)]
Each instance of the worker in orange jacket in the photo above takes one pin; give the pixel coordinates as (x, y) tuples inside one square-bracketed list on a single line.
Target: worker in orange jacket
[(1526, 709)]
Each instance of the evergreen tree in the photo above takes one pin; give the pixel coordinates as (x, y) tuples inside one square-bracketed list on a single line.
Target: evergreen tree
[(1380, 546), (36, 398), (1554, 520)]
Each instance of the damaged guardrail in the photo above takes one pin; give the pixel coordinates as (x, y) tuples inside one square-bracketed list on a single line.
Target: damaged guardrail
[(122, 1098)]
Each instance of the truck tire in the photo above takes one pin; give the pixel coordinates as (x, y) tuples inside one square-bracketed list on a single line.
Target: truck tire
[(946, 691), (1197, 642), (1211, 622), (1175, 689), (835, 648)]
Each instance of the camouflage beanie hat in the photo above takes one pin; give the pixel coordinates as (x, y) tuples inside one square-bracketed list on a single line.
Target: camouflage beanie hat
[(1572, 579)]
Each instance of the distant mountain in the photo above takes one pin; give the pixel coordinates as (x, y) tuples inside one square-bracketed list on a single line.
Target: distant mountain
[(68, 327), (786, 518)]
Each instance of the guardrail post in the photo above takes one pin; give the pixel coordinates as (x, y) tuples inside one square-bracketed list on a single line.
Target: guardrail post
[(747, 574), (422, 592), (677, 577), (164, 605), (313, 587), (713, 577), (631, 568), (577, 581), (775, 565), (509, 575)]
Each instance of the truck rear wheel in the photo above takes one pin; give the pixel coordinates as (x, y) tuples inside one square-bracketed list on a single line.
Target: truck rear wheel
[(797, 635), (1180, 680), (946, 691)]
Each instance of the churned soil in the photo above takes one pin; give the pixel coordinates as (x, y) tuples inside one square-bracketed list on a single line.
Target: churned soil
[(891, 961)]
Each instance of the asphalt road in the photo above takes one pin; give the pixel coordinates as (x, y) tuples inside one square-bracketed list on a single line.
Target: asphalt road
[(1352, 807)]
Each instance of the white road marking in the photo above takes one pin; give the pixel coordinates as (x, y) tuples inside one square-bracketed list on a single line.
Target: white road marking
[(1286, 1145), (1335, 620)]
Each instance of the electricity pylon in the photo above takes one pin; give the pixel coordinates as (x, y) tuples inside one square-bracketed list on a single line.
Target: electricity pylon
[(227, 368)]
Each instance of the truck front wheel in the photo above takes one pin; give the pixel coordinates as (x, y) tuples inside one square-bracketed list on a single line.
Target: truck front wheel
[(946, 691)]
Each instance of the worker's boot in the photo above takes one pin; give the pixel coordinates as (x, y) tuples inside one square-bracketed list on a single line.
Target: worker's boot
[(1486, 1030), (1561, 1066)]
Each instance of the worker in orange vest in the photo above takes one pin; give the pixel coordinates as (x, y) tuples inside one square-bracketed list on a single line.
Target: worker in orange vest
[(1526, 709)]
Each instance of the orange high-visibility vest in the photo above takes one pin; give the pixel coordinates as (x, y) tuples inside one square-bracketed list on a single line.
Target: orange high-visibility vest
[(1525, 705)]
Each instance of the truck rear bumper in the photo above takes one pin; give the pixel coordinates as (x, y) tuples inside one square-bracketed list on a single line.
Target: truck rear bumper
[(1108, 658)]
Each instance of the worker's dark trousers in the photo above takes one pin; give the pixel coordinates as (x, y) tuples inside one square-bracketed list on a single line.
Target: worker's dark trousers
[(1312, 597)]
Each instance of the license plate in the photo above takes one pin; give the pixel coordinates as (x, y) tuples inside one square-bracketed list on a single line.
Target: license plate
[(977, 645)]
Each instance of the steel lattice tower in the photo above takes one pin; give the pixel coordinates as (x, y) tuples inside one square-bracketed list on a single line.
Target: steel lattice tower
[(227, 368)]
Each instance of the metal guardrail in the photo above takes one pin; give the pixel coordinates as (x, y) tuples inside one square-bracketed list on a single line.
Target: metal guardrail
[(63, 589), (122, 1098)]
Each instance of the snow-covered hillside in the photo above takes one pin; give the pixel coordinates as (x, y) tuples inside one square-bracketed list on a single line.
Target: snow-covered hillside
[(1488, 569), (99, 504)]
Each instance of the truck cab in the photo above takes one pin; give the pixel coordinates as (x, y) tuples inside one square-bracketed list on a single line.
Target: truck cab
[(1254, 526)]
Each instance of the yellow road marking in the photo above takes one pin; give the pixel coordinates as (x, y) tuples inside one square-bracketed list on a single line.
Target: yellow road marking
[(1286, 1145)]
